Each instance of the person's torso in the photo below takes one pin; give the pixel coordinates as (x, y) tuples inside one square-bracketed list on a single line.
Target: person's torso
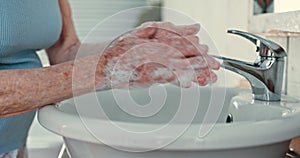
[(25, 26)]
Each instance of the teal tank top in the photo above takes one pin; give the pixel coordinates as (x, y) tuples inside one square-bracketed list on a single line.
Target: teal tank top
[(25, 27)]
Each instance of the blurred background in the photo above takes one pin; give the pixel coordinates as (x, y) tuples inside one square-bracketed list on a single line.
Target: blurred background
[(274, 19), (278, 20)]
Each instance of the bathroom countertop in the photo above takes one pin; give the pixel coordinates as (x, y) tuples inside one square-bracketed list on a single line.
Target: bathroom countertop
[(287, 21), (279, 33)]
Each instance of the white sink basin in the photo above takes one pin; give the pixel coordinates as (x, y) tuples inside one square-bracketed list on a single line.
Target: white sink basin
[(175, 128)]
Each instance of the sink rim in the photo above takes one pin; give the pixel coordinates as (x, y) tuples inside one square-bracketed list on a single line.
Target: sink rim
[(212, 141), (266, 131)]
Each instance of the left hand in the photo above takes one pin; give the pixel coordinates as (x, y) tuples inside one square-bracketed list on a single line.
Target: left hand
[(158, 52)]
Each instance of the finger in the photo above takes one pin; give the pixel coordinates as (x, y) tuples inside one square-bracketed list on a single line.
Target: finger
[(154, 73), (151, 53), (167, 29), (212, 78), (192, 38), (212, 63), (200, 79), (197, 62), (184, 78), (202, 48), (201, 56), (186, 30), (164, 29), (162, 74), (169, 49), (185, 46), (194, 63), (204, 61), (124, 44), (147, 32), (188, 45), (205, 76)]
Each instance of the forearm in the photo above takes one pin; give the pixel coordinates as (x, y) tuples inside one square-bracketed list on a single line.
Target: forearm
[(68, 29), (26, 89), (68, 40), (68, 45)]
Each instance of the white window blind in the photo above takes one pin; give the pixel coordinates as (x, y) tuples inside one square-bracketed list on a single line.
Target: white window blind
[(88, 13)]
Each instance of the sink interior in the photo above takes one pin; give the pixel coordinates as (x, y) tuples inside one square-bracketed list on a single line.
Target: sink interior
[(112, 118), (147, 110), (115, 105)]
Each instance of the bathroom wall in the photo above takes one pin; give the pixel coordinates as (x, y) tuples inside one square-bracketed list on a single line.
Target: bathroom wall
[(291, 84), (88, 14), (283, 28), (293, 80), (286, 5), (292, 73), (217, 16)]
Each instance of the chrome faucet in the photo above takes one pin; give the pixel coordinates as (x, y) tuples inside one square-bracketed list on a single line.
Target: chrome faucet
[(266, 73)]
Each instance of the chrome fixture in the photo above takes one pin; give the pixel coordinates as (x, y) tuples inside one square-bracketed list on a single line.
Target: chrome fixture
[(266, 73), (229, 118)]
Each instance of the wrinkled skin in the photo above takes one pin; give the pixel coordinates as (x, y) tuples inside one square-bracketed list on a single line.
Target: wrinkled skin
[(153, 53), (158, 52)]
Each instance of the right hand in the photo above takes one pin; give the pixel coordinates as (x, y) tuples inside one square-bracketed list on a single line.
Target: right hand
[(158, 52)]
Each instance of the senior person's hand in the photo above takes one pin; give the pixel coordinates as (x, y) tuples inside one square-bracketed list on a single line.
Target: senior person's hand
[(158, 52), (152, 53)]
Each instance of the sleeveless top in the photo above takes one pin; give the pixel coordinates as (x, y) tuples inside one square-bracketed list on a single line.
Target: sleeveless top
[(25, 27)]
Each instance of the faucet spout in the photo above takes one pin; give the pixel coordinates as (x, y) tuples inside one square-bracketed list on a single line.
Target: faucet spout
[(265, 77), (266, 73)]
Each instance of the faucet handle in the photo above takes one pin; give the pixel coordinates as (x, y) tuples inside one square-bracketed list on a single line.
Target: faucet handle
[(266, 48)]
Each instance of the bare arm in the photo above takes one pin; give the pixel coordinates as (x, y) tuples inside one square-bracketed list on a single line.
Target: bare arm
[(68, 44), (26, 89)]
